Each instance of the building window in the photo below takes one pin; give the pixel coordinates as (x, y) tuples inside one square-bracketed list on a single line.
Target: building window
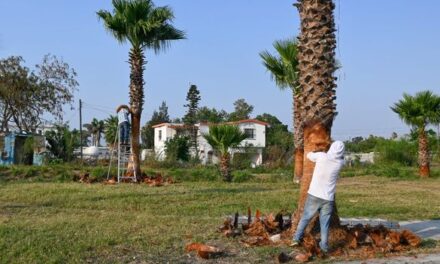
[(160, 135), (250, 133)]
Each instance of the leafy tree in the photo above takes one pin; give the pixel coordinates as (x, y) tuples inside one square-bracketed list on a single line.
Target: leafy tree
[(279, 141), (177, 148), (222, 138), (284, 71), (158, 117), (144, 26), (212, 115), (26, 95), (111, 130), (419, 111), (242, 110)]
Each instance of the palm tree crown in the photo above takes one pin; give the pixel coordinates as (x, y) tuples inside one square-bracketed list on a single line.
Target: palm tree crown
[(223, 137), (141, 23), (419, 110), (283, 69)]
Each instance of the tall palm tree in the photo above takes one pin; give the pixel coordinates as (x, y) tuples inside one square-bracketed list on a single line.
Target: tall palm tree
[(419, 111), (284, 71), (222, 138), (144, 26), (317, 64)]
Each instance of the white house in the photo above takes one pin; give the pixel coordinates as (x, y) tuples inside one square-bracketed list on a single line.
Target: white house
[(254, 144)]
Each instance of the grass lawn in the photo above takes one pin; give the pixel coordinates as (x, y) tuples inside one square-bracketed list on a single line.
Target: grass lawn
[(52, 222)]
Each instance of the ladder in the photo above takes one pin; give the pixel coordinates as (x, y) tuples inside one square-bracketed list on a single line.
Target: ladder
[(124, 158)]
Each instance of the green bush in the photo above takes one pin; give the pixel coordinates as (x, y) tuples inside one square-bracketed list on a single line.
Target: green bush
[(98, 174), (241, 161), (177, 149), (242, 176), (403, 152)]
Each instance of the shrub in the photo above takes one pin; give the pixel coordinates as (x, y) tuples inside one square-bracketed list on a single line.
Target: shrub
[(396, 151), (177, 149), (242, 176)]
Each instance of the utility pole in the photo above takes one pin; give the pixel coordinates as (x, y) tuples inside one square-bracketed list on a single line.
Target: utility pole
[(80, 130)]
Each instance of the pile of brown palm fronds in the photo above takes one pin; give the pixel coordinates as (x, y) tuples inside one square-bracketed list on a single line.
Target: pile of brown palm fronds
[(157, 180), (354, 242), (262, 230)]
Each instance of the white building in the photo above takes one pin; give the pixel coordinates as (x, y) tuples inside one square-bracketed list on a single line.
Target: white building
[(254, 144)]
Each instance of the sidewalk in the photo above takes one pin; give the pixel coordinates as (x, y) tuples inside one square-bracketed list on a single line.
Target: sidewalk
[(426, 229)]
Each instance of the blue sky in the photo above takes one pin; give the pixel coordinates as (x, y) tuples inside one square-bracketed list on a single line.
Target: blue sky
[(385, 48)]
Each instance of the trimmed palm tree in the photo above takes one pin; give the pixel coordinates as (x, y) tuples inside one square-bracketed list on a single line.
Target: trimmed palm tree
[(317, 64), (144, 26), (284, 71), (222, 138), (419, 111)]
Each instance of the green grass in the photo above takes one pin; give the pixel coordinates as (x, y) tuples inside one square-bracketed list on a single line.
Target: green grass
[(59, 222)]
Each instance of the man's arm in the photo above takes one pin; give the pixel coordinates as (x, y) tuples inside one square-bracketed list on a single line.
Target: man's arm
[(313, 156)]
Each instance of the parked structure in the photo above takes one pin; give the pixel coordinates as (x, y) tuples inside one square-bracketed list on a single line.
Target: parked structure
[(21, 148), (253, 145)]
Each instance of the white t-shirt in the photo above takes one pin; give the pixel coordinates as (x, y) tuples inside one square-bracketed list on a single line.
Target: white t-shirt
[(326, 173), (122, 116)]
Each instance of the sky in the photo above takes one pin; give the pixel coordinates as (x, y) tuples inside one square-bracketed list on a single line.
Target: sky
[(385, 48)]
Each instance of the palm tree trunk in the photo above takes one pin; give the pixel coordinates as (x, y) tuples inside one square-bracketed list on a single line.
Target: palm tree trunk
[(225, 167), (316, 57), (424, 170), (298, 138), (136, 61)]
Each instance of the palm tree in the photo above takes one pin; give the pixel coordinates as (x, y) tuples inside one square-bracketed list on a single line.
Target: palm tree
[(145, 27), (317, 64), (111, 130), (222, 138), (284, 70), (419, 111), (95, 129)]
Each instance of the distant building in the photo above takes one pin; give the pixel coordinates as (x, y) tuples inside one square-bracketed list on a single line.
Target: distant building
[(13, 149), (253, 145)]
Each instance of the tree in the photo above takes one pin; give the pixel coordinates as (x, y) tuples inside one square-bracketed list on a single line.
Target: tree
[(145, 27), (177, 148), (147, 133), (284, 71), (111, 130), (95, 129), (419, 111), (26, 95), (242, 110), (211, 115), (316, 58), (222, 138), (279, 141), (190, 118), (61, 142)]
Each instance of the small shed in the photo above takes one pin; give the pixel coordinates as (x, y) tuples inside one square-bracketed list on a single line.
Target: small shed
[(22, 148)]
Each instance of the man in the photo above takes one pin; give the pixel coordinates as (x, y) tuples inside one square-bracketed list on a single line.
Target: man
[(123, 123), (321, 194)]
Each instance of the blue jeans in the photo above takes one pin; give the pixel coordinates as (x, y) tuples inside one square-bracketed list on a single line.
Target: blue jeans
[(314, 204), (124, 132)]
